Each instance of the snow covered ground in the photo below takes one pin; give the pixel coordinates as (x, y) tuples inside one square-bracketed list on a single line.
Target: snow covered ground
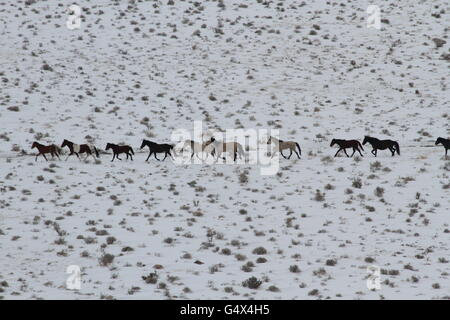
[(142, 69)]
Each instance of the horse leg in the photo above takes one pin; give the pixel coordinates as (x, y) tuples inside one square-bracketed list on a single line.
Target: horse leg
[(114, 155), (374, 152), (43, 154), (69, 155), (57, 155), (359, 152), (345, 151), (297, 154), (281, 152), (148, 156), (337, 152), (156, 157), (354, 150), (131, 157), (37, 156), (290, 154), (78, 155)]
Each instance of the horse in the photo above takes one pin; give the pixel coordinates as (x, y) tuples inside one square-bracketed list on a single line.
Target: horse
[(445, 143), (382, 145), (80, 148), (344, 144), (197, 148), (157, 148), (281, 145), (120, 149), (52, 149), (231, 147)]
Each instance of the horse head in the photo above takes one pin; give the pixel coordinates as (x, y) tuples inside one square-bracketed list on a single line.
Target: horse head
[(144, 142), (65, 143), (108, 145), (34, 145), (439, 140), (366, 139), (332, 142)]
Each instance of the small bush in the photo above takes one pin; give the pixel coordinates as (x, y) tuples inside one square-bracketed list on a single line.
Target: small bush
[(152, 278), (259, 251), (252, 283), (106, 259)]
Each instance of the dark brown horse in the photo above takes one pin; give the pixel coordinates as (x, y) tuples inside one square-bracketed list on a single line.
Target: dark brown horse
[(119, 149), (344, 144), (445, 143), (378, 144), (157, 148), (52, 149), (80, 148)]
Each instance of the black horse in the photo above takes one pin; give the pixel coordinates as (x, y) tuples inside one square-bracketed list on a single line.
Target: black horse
[(445, 143), (344, 144), (157, 148), (120, 149), (382, 145)]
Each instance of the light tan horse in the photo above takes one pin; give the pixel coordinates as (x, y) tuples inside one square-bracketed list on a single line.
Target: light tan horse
[(281, 145), (234, 148), (197, 148)]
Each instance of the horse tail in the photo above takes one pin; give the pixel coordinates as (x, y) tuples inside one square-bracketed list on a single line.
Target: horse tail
[(96, 152), (298, 146), (397, 147), (360, 145), (131, 149)]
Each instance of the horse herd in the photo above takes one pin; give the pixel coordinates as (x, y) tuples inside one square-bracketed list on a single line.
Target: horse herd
[(217, 148)]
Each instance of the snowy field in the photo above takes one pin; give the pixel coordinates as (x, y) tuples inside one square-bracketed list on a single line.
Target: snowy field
[(141, 69)]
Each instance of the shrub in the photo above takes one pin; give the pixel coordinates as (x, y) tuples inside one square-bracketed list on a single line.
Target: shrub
[(106, 259), (259, 251), (252, 283), (152, 278)]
